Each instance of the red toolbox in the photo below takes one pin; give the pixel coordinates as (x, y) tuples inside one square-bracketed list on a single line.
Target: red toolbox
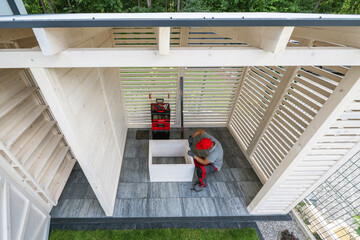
[(160, 119)]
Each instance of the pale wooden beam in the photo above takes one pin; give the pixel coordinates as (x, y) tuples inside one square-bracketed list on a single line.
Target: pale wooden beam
[(272, 39), (55, 40), (342, 96), (164, 40), (237, 95), (348, 36), (180, 57), (281, 90), (12, 34)]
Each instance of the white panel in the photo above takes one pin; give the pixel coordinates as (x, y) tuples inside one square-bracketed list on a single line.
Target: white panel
[(35, 223), (170, 172), (18, 209)]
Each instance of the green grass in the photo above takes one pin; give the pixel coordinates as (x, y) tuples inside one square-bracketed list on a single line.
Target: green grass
[(157, 234)]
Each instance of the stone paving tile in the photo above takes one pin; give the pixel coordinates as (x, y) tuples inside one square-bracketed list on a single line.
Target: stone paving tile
[(77, 176), (134, 175), (75, 190), (224, 189), (168, 160), (236, 206), (164, 207), (199, 207), (90, 193), (164, 190), (135, 163), (249, 188), (239, 174), (132, 190), (130, 207), (185, 192)]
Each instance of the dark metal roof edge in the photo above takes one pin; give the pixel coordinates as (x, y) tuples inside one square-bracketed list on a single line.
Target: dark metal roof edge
[(190, 22)]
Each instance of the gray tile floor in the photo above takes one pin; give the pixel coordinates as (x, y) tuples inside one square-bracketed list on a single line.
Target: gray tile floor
[(227, 194)]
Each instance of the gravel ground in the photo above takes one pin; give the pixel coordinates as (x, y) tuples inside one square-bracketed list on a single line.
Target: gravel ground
[(270, 229)]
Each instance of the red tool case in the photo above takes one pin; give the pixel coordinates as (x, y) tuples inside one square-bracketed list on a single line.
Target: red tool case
[(160, 119)]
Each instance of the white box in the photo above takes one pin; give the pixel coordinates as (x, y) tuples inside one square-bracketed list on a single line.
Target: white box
[(170, 172)]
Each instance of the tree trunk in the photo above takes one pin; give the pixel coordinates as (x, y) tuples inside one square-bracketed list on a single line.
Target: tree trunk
[(50, 6), (178, 6), (70, 6), (317, 5), (148, 3), (139, 3), (43, 5)]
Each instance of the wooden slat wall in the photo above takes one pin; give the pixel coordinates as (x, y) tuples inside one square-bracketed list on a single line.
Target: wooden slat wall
[(339, 139), (179, 37), (257, 90), (30, 139), (308, 91), (209, 94), (138, 83)]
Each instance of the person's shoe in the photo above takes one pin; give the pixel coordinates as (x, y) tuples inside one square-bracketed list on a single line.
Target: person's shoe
[(199, 187), (195, 183)]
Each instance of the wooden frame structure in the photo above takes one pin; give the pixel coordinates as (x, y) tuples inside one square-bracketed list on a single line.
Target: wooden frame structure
[(289, 95)]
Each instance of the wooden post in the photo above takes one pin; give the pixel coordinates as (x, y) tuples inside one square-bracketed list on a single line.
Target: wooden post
[(181, 73)]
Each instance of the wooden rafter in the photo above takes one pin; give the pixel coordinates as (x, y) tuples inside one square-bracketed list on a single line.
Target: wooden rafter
[(12, 34), (348, 36), (164, 40), (271, 39), (55, 40)]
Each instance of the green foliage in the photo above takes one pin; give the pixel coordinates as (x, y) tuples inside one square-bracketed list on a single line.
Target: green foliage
[(107, 6), (157, 234), (99, 6), (351, 7), (194, 6), (357, 223)]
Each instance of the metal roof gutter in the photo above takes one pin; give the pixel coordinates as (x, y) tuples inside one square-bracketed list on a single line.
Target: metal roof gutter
[(177, 20)]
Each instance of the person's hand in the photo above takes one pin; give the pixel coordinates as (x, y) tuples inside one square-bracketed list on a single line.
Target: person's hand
[(191, 140), (191, 154)]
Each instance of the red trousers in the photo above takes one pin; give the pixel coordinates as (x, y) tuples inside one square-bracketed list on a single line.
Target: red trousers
[(201, 171)]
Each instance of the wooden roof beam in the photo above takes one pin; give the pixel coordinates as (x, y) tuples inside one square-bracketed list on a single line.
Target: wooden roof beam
[(348, 36), (271, 39), (55, 40), (164, 40), (8, 35), (180, 57)]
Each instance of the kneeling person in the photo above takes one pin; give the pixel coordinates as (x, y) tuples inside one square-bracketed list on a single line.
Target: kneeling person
[(210, 164)]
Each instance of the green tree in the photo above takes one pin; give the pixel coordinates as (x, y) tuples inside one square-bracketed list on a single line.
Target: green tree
[(116, 6)]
